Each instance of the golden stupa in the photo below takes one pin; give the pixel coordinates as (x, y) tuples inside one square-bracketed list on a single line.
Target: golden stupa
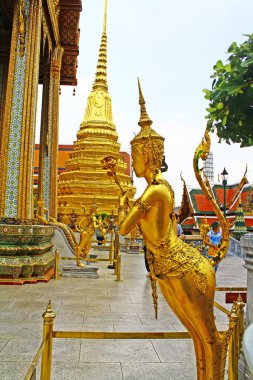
[(85, 181)]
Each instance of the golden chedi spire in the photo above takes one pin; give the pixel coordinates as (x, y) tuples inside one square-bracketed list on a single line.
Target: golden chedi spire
[(99, 108), (101, 74), (97, 138)]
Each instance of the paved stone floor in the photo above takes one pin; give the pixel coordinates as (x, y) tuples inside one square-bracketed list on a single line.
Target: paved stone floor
[(101, 305)]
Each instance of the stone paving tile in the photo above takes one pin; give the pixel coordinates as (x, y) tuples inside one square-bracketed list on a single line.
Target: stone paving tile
[(102, 318), (66, 350), (86, 371), (149, 319), (32, 305), (64, 297), (28, 297), (20, 350), (171, 351), (112, 351), (11, 317), (141, 299), (4, 305), (126, 308), (82, 306), (21, 330), (70, 316), (13, 370), (159, 371), (3, 343), (144, 328), (83, 327)]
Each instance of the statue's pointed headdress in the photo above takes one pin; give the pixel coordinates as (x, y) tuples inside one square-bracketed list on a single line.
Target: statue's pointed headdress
[(146, 132)]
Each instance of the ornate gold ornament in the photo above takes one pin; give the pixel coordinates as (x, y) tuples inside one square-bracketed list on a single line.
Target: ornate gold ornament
[(202, 152), (22, 27)]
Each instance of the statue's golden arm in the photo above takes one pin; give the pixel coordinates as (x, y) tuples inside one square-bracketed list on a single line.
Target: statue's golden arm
[(142, 205), (129, 221)]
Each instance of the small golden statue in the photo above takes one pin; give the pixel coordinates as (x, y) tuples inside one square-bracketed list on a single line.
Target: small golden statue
[(86, 227), (186, 278)]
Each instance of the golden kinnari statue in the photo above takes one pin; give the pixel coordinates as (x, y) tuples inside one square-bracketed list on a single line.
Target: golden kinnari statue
[(186, 278), (86, 227)]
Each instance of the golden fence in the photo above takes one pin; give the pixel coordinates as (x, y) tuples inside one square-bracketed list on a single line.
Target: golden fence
[(236, 329)]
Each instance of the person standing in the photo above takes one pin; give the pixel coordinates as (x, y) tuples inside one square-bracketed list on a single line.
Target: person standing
[(180, 232), (213, 240)]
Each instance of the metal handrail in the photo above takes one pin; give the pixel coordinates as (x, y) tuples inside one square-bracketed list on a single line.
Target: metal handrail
[(234, 334), (35, 360)]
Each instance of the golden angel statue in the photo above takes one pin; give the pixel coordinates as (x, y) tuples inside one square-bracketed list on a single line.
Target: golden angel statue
[(185, 277)]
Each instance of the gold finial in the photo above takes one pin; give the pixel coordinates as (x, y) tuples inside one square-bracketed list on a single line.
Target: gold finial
[(105, 15), (101, 75), (144, 118)]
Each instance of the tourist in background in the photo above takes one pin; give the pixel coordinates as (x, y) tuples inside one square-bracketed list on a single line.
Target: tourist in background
[(180, 232), (213, 240)]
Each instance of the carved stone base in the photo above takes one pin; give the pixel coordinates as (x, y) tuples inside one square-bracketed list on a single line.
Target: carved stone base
[(32, 280), (25, 253)]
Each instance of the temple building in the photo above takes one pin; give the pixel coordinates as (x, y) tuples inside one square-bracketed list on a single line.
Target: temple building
[(85, 181), (195, 207), (38, 44)]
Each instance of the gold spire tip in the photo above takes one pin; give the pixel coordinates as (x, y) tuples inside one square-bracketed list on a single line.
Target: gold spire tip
[(105, 15), (144, 118)]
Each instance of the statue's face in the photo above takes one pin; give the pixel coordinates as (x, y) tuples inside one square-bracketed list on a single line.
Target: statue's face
[(138, 161)]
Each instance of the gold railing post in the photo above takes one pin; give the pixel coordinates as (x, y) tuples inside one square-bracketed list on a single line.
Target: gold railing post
[(117, 257), (56, 268), (111, 253), (233, 345), (46, 362), (240, 312), (118, 267)]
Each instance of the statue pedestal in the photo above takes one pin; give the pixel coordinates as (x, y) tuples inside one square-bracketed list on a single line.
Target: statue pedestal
[(74, 271), (25, 253), (133, 249)]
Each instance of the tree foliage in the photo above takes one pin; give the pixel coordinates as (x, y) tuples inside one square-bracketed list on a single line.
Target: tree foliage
[(230, 110)]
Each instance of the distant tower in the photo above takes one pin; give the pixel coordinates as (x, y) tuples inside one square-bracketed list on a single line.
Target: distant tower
[(208, 167), (84, 180)]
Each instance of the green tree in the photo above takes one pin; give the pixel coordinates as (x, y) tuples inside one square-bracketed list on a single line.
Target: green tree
[(230, 110)]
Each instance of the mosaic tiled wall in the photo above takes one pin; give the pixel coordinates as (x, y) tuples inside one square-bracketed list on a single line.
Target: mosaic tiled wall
[(11, 195), (34, 128), (47, 155)]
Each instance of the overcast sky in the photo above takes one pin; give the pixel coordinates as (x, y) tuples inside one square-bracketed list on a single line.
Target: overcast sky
[(172, 46)]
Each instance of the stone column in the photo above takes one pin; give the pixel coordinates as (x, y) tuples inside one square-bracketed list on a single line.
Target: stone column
[(247, 246), (43, 152), (17, 149), (48, 162)]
